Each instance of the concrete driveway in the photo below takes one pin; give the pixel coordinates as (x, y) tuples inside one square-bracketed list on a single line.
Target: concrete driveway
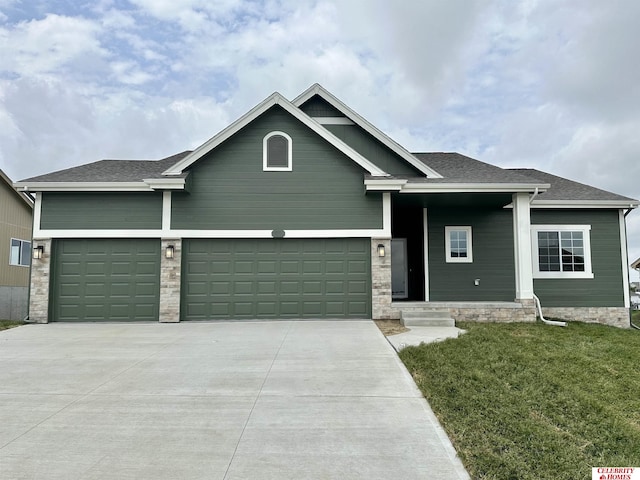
[(228, 400)]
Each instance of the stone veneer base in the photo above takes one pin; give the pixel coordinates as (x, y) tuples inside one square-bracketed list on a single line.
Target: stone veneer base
[(612, 316)]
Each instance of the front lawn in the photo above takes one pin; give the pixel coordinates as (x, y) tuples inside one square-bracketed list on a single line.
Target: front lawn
[(4, 324), (531, 401)]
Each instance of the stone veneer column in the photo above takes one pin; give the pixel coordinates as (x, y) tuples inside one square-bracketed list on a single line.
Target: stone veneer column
[(39, 284), (381, 281), (170, 270)]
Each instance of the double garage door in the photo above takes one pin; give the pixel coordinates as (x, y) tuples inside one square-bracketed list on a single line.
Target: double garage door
[(221, 279)]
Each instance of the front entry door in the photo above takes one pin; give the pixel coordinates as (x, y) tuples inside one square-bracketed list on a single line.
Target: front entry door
[(399, 269)]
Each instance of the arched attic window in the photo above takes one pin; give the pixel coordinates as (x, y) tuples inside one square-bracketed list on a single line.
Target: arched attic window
[(276, 152)]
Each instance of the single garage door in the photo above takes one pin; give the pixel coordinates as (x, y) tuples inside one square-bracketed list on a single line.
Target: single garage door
[(105, 280), (276, 278)]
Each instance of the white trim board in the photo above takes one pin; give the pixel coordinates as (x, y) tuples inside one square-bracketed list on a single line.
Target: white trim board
[(425, 244), (352, 233), (625, 259)]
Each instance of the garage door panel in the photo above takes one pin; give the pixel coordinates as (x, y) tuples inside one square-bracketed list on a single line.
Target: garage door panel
[(357, 287), (271, 278), (266, 287), (221, 266), (335, 266), (357, 266), (99, 279), (217, 288), (290, 266), (357, 308), (243, 288)]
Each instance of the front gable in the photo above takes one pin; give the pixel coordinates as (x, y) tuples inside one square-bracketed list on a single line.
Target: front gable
[(274, 99), (230, 189)]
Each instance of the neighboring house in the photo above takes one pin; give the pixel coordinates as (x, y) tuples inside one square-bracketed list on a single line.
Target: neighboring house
[(16, 210), (303, 209)]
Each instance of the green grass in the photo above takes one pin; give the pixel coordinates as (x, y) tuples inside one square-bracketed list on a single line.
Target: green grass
[(635, 317), (4, 324), (531, 401)]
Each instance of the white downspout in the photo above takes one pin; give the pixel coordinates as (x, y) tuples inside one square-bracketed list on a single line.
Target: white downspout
[(547, 322), (535, 297)]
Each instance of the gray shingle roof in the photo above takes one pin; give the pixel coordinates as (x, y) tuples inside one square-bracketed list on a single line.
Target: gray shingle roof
[(112, 171), (457, 168), (565, 189)]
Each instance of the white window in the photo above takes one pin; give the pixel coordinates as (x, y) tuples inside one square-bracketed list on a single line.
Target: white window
[(458, 245), (561, 251), (20, 253), (276, 152)]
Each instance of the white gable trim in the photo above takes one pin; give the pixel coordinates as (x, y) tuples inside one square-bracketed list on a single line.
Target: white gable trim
[(274, 99), (317, 89)]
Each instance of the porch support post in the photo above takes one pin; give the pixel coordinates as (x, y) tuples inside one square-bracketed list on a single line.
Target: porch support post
[(170, 281), (39, 283), (522, 246)]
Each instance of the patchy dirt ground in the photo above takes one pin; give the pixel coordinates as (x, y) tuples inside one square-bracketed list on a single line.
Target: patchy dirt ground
[(390, 327)]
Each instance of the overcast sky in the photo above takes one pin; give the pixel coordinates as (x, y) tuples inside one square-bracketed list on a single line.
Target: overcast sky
[(553, 85)]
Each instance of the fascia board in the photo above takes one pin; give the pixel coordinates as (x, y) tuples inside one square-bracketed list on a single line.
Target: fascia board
[(317, 89), (84, 186), (472, 187), (583, 204), (274, 99)]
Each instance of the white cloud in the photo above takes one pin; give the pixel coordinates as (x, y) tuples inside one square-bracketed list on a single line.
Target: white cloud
[(45, 46)]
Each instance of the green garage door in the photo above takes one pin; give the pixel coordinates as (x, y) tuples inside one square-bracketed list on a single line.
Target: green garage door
[(276, 278), (105, 279)]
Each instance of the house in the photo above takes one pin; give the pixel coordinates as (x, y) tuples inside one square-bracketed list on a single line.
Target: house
[(16, 210), (303, 209)]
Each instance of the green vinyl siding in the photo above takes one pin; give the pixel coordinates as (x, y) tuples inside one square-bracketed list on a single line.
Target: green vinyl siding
[(276, 278), (105, 280), (493, 258), (101, 210), (318, 107), (372, 149), (605, 289), (229, 189)]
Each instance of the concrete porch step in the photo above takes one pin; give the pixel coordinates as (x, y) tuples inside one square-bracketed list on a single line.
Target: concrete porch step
[(426, 317)]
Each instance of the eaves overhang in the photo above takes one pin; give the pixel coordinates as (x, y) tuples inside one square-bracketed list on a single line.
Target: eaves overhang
[(176, 183), (585, 204), (405, 186)]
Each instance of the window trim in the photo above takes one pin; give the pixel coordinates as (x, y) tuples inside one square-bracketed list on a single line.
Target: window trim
[(265, 150), (447, 242), (586, 239), (20, 252)]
